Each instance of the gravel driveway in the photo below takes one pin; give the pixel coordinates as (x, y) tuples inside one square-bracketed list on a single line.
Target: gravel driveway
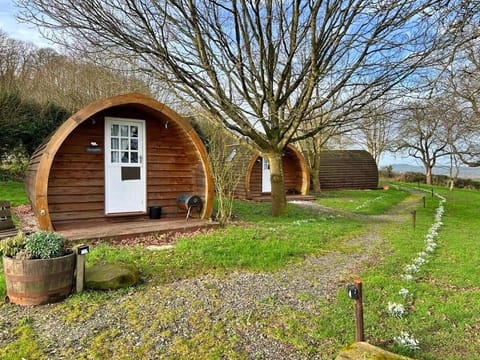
[(232, 314)]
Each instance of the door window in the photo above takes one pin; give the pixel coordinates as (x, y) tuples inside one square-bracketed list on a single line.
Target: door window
[(124, 144)]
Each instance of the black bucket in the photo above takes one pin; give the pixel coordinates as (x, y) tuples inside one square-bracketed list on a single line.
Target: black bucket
[(155, 212)]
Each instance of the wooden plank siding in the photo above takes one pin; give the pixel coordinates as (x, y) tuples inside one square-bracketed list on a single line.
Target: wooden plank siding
[(347, 169), (74, 187), (294, 170), (78, 178)]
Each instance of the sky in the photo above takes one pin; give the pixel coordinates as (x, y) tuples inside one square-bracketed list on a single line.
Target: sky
[(25, 32), (17, 30)]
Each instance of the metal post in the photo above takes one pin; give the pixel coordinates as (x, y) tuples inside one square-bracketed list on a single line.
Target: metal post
[(414, 219), (424, 201), (359, 334)]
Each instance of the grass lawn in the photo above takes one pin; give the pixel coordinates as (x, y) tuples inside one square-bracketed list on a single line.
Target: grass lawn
[(441, 312), (13, 191)]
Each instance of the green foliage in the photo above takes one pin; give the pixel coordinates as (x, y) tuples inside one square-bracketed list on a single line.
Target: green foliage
[(45, 245), (24, 125), (14, 168), (12, 245)]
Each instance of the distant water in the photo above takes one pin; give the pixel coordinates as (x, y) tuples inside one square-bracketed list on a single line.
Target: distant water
[(465, 172)]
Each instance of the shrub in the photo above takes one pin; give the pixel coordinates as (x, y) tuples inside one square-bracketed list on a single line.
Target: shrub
[(45, 245), (12, 245)]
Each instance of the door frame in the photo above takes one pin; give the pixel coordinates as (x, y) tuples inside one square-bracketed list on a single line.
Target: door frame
[(142, 162), (266, 181)]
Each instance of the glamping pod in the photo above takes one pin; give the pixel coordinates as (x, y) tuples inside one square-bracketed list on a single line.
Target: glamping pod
[(256, 182), (114, 160), (347, 169)]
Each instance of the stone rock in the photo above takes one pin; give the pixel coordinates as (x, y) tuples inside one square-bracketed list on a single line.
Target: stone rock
[(111, 275), (363, 350)]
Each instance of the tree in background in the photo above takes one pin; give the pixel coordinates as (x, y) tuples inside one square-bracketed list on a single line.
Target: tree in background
[(75, 84), (14, 67), (430, 130), (255, 65), (376, 129), (39, 89), (462, 82), (24, 124)]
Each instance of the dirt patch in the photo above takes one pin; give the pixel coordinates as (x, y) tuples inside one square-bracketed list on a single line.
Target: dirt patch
[(26, 218)]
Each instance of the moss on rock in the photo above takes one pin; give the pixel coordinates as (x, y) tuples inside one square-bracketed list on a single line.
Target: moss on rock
[(111, 275), (365, 351)]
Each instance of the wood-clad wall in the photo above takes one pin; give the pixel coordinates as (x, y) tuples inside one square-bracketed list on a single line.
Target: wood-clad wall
[(347, 169), (292, 171), (76, 189), (294, 175), (31, 173)]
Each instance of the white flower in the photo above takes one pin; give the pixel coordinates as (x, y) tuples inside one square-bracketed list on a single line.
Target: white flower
[(361, 206), (405, 293), (406, 341), (419, 261), (430, 247), (422, 254), (411, 269), (396, 310), (407, 277)]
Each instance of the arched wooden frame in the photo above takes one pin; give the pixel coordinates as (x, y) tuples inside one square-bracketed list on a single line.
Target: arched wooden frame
[(305, 187), (41, 179)]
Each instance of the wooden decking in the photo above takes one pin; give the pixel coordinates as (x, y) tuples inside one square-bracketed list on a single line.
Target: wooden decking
[(108, 231)]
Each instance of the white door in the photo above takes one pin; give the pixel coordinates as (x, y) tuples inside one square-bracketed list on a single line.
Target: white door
[(266, 184), (125, 183)]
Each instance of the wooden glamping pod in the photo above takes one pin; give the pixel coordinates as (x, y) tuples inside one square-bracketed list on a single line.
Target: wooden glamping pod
[(256, 185), (347, 169), (115, 160)]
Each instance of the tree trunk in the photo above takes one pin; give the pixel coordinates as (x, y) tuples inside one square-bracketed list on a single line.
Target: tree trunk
[(315, 177), (428, 176), (279, 198), (315, 170)]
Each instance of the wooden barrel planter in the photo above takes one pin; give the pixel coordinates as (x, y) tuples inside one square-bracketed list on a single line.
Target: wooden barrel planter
[(39, 281)]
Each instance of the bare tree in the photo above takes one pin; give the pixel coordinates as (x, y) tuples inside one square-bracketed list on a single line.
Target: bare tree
[(255, 65), (222, 149), (73, 83), (431, 130), (462, 81), (376, 128), (14, 61)]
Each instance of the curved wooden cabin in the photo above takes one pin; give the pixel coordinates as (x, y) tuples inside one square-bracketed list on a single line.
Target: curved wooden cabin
[(256, 182), (113, 160), (347, 169)]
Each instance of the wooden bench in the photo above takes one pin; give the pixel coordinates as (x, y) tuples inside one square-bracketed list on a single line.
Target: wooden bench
[(7, 228)]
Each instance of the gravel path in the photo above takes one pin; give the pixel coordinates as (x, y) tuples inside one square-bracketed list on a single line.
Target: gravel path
[(235, 312)]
